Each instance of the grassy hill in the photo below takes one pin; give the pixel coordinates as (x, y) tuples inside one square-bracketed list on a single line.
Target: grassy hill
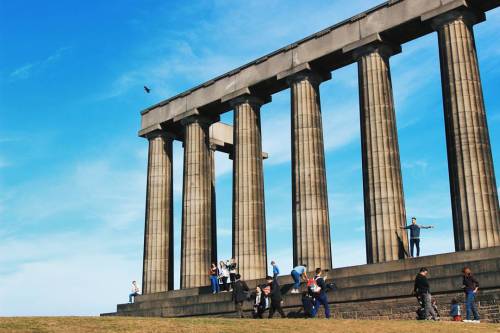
[(212, 325)]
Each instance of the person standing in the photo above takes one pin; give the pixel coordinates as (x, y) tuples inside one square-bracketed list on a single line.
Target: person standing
[(471, 286), (276, 270), (224, 276), (423, 292), (213, 273), (320, 294), (240, 291), (297, 273), (275, 297), (232, 267), (415, 235), (135, 291)]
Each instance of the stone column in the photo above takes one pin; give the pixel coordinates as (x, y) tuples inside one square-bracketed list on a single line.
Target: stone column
[(382, 181), (311, 226), (158, 265), (474, 197), (249, 226), (198, 246)]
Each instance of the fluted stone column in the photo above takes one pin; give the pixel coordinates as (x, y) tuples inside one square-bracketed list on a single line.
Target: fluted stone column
[(382, 181), (249, 226), (158, 235), (198, 246), (474, 197), (311, 226)]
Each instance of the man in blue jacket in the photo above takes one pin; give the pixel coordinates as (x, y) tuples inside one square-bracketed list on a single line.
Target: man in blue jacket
[(415, 234)]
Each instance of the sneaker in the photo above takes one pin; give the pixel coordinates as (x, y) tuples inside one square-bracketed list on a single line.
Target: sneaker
[(294, 291), (467, 321), (475, 321)]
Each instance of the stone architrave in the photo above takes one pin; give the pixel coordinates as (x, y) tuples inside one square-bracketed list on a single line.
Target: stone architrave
[(382, 182), (311, 226), (198, 249), (474, 197), (158, 235), (249, 225)]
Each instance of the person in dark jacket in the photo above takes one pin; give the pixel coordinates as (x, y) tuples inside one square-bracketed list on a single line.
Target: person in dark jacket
[(308, 304), (240, 290), (471, 286), (415, 234), (423, 292), (320, 294), (275, 297)]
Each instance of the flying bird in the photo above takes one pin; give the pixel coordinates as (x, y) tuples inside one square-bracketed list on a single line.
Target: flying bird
[(147, 90)]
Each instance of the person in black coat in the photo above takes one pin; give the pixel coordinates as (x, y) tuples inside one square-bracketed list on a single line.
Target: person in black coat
[(275, 297), (240, 292), (423, 293)]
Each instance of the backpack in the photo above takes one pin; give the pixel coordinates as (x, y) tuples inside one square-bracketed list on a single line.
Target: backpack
[(312, 286)]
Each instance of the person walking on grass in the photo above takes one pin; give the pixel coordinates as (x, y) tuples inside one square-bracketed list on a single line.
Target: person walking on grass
[(415, 234), (240, 293), (275, 296), (319, 292), (470, 286), (297, 273), (134, 292), (423, 292), (213, 274), (276, 270)]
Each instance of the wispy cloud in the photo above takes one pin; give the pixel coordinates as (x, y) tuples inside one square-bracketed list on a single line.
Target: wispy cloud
[(27, 70)]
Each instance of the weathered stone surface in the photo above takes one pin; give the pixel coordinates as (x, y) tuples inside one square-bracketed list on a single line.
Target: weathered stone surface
[(373, 291), (382, 181), (311, 226), (198, 249), (476, 216), (249, 224), (158, 234)]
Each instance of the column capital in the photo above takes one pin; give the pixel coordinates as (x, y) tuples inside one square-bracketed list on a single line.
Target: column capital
[(160, 133), (467, 15), (370, 44), (250, 99), (202, 120), (304, 72)]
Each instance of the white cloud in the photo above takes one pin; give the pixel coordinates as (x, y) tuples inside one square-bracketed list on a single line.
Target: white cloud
[(25, 71)]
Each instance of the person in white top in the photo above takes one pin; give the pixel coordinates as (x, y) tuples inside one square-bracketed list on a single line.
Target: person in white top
[(134, 291), (224, 275)]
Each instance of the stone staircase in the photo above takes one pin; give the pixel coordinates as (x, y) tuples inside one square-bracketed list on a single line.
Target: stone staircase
[(376, 291)]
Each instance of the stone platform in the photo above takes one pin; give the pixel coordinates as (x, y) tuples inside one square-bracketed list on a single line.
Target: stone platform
[(375, 291)]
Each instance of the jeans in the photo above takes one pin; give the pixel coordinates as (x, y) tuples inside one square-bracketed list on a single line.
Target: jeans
[(429, 310), (470, 305), (132, 295), (296, 279), (415, 242), (214, 283), (321, 299)]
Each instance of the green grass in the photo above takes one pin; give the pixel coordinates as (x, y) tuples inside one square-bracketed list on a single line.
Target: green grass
[(212, 325)]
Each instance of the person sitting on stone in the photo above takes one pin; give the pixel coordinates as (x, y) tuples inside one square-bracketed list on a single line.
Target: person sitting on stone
[(134, 292), (297, 273)]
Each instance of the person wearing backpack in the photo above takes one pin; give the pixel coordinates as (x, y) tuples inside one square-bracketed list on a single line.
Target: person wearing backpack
[(318, 289)]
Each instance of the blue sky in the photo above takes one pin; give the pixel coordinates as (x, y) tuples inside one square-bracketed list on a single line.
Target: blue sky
[(72, 169)]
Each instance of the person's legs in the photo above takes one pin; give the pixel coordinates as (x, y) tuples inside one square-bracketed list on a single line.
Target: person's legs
[(475, 313), (468, 305), (412, 243), (271, 310), (296, 279), (429, 311), (417, 244), (130, 297), (213, 283), (324, 301), (239, 309)]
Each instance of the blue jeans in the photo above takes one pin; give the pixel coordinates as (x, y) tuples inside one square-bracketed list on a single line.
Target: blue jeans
[(296, 279), (321, 299), (470, 305), (214, 282), (132, 295)]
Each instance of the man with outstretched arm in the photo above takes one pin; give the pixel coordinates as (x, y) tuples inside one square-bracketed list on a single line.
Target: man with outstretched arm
[(415, 234)]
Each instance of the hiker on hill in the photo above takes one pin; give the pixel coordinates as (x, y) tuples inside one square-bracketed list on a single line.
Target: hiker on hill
[(470, 286), (415, 235), (318, 288), (297, 273), (134, 292), (240, 294), (275, 296), (423, 293)]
